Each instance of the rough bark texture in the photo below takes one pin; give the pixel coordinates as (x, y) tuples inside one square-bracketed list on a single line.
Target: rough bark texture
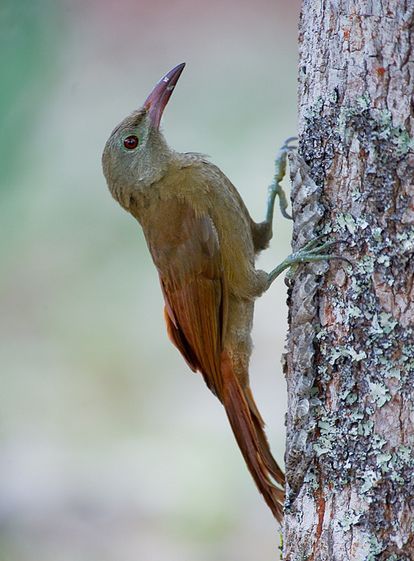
[(350, 359)]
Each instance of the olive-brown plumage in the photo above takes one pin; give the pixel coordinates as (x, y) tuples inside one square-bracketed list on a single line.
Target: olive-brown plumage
[(203, 243)]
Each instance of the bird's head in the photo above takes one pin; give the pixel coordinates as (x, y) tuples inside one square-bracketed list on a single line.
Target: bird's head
[(136, 154)]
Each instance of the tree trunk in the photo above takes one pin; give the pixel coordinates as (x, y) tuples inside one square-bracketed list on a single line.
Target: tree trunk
[(350, 359)]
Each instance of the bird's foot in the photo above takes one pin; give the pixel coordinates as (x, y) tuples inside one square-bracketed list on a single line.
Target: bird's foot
[(309, 253), (276, 187)]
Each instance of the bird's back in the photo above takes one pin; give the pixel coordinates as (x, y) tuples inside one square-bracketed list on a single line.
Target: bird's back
[(196, 184)]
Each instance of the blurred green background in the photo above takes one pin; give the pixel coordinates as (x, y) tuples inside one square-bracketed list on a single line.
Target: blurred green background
[(110, 448)]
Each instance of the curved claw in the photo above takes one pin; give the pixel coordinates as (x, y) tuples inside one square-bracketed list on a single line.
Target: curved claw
[(288, 141), (311, 248), (312, 245), (322, 247), (308, 254)]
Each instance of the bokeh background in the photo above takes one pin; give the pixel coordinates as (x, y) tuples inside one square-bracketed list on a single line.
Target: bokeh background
[(110, 448)]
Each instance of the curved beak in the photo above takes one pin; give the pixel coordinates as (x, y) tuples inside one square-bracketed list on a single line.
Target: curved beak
[(158, 98)]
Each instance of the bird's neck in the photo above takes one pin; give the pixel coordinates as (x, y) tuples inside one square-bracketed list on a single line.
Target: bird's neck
[(180, 179)]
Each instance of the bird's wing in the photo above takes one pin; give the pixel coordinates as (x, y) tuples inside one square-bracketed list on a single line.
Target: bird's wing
[(186, 251)]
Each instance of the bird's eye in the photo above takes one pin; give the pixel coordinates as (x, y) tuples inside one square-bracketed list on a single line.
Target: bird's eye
[(131, 142)]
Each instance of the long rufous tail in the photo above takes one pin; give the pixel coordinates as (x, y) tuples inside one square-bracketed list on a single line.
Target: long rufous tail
[(247, 425)]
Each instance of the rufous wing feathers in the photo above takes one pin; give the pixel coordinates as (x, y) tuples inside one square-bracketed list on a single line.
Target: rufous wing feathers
[(196, 303)]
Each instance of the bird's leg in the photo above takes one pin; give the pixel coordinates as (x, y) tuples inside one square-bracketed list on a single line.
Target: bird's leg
[(263, 232), (313, 250), (310, 252), (276, 187)]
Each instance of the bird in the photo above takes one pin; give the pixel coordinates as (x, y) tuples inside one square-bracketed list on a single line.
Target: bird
[(203, 243)]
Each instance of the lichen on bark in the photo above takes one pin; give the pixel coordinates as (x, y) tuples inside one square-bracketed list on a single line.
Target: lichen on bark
[(350, 350)]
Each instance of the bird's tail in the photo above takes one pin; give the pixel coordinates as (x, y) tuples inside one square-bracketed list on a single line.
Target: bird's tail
[(247, 425)]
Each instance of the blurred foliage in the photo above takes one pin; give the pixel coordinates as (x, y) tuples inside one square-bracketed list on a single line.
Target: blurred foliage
[(29, 31)]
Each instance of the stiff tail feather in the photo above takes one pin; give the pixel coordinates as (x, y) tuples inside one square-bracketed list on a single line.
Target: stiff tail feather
[(270, 462), (248, 430)]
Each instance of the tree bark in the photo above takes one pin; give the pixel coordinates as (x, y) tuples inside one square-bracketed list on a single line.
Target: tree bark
[(350, 350)]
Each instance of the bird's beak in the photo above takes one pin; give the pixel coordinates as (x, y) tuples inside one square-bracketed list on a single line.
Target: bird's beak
[(158, 98)]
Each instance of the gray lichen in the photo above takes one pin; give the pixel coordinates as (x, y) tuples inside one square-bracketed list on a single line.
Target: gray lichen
[(356, 499), (367, 362)]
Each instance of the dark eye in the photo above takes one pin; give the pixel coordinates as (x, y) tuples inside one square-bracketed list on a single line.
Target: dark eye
[(131, 142)]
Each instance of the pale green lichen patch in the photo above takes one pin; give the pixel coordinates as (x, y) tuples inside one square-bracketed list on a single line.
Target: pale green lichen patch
[(383, 459), (347, 221), (365, 428), (350, 519), (387, 321), (354, 311), (376, 547), (406, 239), (343, 351), (368, 480), (376, 234), (379, 393), (382, 323)]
